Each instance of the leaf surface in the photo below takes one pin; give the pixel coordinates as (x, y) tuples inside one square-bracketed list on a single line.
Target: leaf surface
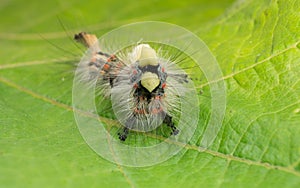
[(255, 42)]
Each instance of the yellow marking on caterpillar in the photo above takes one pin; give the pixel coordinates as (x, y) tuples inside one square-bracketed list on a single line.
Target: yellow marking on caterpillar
[(150, 81), (146, 55)]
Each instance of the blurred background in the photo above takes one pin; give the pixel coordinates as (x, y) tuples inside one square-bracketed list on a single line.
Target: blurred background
[(26, 27)]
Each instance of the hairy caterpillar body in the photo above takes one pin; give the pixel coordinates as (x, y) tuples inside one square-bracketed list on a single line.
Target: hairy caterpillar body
[(144, 88)]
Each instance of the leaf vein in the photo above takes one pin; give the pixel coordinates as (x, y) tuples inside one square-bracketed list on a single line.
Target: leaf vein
[(294, 46), (187, 146)]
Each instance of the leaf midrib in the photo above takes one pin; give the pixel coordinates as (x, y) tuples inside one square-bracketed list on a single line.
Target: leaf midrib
[(288, 169)]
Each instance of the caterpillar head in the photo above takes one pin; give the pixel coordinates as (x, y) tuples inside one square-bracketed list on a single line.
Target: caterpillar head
[(150, 81)]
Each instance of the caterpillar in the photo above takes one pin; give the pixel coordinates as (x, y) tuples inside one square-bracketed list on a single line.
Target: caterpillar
[(144, 88)]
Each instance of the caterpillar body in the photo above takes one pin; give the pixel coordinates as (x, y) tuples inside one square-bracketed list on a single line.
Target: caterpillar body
[(144, 88)]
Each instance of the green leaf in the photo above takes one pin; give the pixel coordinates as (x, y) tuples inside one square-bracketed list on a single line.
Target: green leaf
[(255, 42)]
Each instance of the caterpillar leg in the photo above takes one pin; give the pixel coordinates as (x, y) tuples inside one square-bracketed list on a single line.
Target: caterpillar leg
[(123, 134), (170, 123)]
